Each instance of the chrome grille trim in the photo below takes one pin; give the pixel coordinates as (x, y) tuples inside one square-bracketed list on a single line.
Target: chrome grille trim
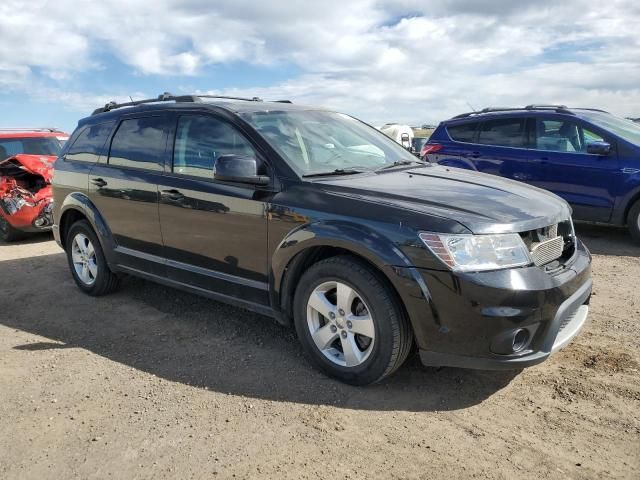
[(547, 251)]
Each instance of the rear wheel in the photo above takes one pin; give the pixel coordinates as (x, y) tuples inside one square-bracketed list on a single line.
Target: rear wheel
[(349, 321), (87, 262), (633, 221), (8, 233)]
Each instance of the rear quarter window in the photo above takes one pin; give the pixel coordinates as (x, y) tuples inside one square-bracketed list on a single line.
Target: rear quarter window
[(463, 133), (89, 143)]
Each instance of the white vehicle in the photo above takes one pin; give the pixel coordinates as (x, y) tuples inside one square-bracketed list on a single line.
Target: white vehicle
[(403, 134)]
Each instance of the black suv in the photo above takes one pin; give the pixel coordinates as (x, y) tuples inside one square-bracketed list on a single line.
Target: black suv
[(321, 221)]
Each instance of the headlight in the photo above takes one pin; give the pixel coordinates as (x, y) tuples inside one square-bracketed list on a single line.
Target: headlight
[(478, 252)]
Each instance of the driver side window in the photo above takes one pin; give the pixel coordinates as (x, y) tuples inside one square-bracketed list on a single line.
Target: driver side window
[(563, 136), (201, 140)]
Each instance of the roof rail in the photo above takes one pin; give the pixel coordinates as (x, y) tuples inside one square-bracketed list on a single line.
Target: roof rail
[(26, 129), (168, 97), (556, 108), (593, 110), (252, 99), (487, 110)]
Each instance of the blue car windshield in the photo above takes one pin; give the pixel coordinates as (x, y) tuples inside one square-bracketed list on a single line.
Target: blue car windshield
[(314, 141), (621, 127)]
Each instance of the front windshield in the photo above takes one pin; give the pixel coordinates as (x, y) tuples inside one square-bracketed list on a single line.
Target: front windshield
[(314, 142), (29, 145), (624, 128)]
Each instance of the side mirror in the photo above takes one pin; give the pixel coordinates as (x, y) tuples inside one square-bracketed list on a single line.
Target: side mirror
[(239, 168), (599, 148)]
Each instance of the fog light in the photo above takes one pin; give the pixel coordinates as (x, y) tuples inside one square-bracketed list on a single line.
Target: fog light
[(40, 222), (520, 340)]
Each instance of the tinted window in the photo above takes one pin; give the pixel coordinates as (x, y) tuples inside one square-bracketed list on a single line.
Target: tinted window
[(462, 133), (29, 145), (89, 144), (140, 143), (200, 140), (563, 136), (505, 132)]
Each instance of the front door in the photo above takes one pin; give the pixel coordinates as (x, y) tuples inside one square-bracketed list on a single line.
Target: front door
[(587, 181), (214, 233)]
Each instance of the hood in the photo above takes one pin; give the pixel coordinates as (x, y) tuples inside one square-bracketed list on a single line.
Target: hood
[(480, 202), (36, 164)]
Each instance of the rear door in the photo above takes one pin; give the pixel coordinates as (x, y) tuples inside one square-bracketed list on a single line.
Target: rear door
[(215, 233), (502, 149), (456, 142), (587, 181), (125, 189)]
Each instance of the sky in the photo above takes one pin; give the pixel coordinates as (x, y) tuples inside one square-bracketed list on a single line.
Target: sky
[(401, 61)]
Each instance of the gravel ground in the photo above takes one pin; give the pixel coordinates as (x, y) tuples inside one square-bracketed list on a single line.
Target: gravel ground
[(155, 383)]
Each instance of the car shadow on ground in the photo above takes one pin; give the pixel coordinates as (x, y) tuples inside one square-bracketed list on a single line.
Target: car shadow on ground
[(207, 344), (31, 238), (603, 240)]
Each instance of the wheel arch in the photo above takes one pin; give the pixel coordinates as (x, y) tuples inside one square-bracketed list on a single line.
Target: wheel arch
[(634, 197), (77, 206), (315, 242)]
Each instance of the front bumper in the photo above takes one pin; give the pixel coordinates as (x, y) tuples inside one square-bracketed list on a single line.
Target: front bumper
[(472, 319)]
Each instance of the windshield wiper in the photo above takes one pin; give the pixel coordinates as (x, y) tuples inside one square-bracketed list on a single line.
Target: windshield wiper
[(399, 163), (337, 171)]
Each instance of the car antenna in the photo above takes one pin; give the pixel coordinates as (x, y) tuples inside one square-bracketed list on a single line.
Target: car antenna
[(131, 98), (470, 106)]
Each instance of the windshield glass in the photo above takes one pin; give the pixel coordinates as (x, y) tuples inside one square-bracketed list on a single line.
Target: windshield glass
[(622, 127), (314, 141), (30, 146)]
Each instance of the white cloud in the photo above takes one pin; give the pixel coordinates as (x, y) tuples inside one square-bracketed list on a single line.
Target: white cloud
[(401, 60)]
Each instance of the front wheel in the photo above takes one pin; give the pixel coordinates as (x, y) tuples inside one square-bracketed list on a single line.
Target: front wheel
[(349, 321), (633, 221), (87, 262), (8, 233)]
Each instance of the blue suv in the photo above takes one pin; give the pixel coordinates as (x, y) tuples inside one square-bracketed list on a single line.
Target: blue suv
[(586, 156)]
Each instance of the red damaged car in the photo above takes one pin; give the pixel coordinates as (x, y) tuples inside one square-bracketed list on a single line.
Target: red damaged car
[(26, 168)]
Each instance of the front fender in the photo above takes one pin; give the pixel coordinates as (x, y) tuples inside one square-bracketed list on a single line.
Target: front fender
[(81, 203), (376, 248), (631, 186), (358, 239)]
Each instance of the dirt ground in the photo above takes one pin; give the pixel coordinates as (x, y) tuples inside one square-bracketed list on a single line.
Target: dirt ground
[(154, 383)]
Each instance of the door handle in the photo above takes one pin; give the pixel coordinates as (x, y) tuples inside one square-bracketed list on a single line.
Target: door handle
[(172, 194), (99, 182), (473, 154)]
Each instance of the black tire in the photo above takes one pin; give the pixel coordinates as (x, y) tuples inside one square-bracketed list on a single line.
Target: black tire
[(633, 221), (8, 233), (393, 334), (105, 281)]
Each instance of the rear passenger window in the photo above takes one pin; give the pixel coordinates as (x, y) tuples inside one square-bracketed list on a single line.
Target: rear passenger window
[(200, 140), (88, 146), (463, 133), (506, 132), (140, 143)]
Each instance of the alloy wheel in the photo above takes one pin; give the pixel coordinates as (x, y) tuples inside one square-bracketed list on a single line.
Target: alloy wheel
[(340, 323), (83, 256)]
